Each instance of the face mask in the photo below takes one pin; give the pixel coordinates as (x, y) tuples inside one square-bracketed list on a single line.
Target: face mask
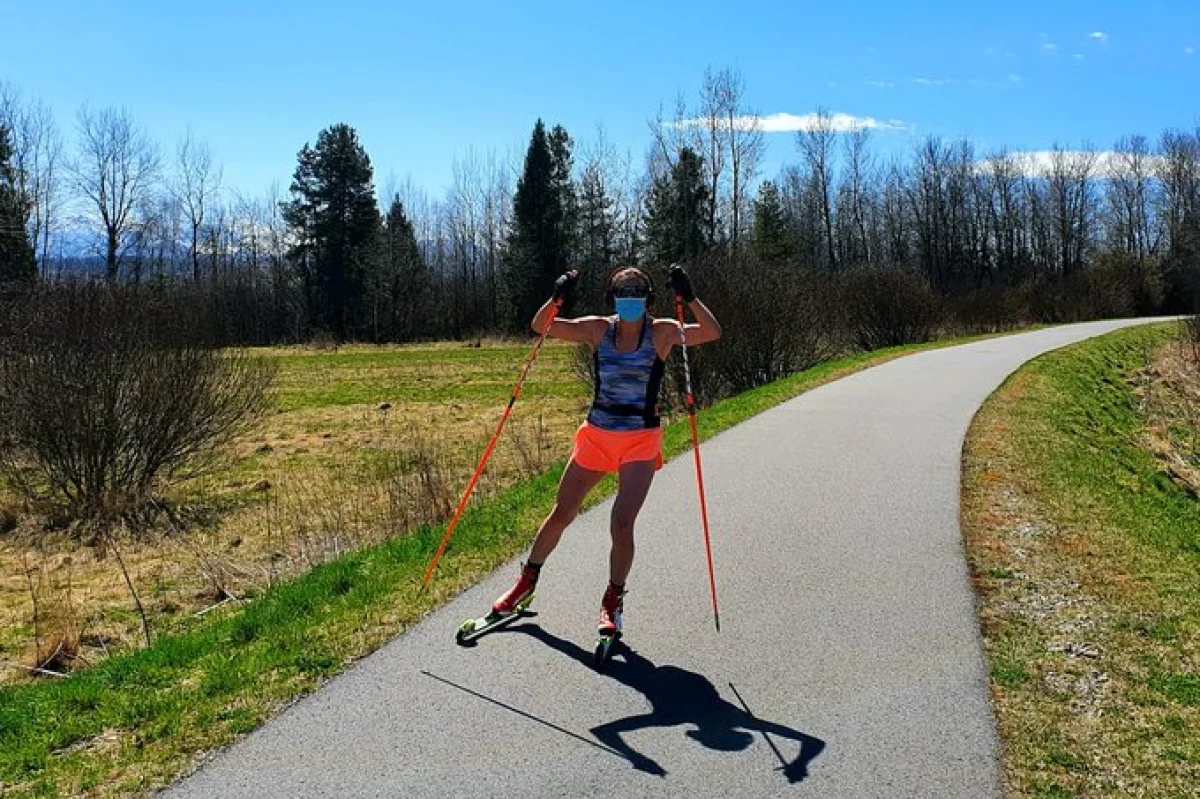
[(630, 309)]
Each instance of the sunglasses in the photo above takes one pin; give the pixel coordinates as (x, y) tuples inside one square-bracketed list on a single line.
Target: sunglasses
[(630, 291)]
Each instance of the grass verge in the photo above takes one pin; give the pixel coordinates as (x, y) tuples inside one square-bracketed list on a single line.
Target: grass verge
[(137, 721), (1086, 556)]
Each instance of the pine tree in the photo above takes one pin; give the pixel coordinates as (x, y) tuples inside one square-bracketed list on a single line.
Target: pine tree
[(406, 275), (540, 240), (772, 241), (676, 210), (336, 222), (565, 203), (17, 261)]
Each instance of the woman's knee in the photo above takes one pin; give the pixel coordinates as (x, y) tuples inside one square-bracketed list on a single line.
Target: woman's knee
[(622, 527), (563, 514)]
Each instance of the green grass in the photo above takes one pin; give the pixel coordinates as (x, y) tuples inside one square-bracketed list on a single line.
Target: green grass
[(136, 721), (415, 374), (1062, 448)]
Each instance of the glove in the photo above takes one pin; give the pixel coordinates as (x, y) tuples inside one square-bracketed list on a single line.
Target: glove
[(565, 285), (681, 284)]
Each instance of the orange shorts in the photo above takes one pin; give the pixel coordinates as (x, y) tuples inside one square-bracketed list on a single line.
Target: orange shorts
[(603, 450)]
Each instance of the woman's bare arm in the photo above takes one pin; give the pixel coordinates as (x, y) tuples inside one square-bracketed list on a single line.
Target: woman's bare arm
[(586, 329)]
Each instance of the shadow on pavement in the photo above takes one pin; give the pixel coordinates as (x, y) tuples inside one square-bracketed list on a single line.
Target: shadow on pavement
[(680, 697)]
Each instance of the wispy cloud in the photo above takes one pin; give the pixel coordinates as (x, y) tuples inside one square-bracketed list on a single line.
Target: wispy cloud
[(1099, 36), (792, 123), (932, 81), (1012, 79), (880, 84), (1049, 47), (1189, 51), (1078, 57), (1042, 163)]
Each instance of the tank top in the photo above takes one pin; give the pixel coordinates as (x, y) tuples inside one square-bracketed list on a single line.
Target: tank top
[(627, 383)]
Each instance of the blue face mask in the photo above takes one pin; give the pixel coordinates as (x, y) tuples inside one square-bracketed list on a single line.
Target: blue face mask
[(630, 309)]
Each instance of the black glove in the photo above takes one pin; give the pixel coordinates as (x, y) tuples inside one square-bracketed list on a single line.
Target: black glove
[(681, 284), (565, 285)]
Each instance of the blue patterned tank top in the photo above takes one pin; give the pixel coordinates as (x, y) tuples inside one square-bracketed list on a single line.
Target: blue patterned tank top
[(627, 383)]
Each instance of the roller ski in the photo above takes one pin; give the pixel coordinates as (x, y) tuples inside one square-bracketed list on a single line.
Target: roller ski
[(608, 629), (511, 606)]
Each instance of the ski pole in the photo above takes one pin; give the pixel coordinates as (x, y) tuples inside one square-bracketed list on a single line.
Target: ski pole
[(487, 452), (691, 403)]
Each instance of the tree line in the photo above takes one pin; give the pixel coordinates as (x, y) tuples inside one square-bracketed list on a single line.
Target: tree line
[(335, 256)]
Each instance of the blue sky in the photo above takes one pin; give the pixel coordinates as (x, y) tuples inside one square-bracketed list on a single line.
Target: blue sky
[(425, 82)]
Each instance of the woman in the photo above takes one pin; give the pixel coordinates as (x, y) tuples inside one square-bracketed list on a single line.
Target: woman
[(621, 433)]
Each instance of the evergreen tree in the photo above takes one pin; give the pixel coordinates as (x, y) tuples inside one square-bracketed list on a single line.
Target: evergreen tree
[(17, 261), (676, 210), (540, 239), (406, 276), (564, 202), (772, 242), (336, 223)]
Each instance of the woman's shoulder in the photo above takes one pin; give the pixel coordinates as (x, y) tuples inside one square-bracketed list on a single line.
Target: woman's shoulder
[(665, 331), (665, 324)]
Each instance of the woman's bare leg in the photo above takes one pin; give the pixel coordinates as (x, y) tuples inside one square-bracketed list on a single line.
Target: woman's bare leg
[(635, 479), (572, 489)]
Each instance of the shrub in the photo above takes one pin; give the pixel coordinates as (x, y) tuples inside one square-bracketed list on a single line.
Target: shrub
[(108, 392), (775, 320), (890, 308)]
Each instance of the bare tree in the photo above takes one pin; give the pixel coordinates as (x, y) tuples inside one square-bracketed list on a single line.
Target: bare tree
[(197, 185), (857, 248), (1179, 174), (816, 146), (746, 145), (711, 133), (669, 139), (115, 170), (1072, 205), (597, 223), (37, 156), (1006, 214), (464, 211), (1133, 196), (496, 210)]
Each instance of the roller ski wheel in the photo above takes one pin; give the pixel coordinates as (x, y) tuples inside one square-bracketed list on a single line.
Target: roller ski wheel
[(606, 642), (471, 629)]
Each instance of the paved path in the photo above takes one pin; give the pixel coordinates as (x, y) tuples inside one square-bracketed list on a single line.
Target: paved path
[(849, 664)]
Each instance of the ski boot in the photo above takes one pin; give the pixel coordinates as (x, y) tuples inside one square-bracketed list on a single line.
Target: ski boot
[(608, 629), (512, 605)]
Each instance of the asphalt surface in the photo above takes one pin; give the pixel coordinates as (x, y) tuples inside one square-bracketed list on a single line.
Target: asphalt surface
[(849, 662)]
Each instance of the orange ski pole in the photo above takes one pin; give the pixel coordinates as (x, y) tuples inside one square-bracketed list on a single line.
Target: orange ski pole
[(691, 403), (487, 452)]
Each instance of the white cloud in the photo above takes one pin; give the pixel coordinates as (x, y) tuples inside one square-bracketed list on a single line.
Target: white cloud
[(1099, 36), (1009, 81), (1078, 57), (1050, 47), (932, 81), (791, 123), (1040, 163), (1189, 51), (880, 84)]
